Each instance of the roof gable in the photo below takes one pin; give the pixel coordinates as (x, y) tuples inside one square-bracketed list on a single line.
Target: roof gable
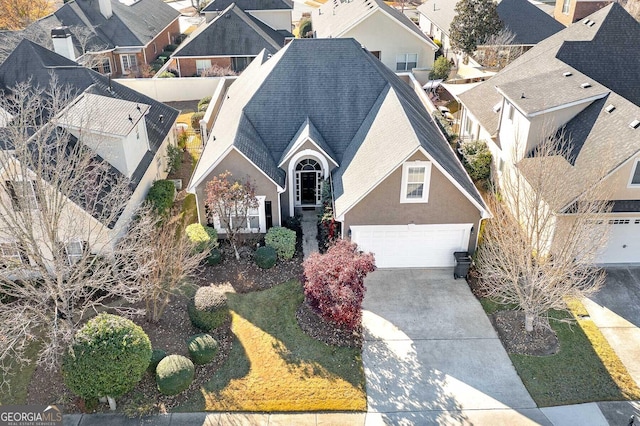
[(266, 106), (528, 23), (233, 32), (307, 132)]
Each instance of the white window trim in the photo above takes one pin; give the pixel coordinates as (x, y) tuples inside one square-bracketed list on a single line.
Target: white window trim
[(406, 61), (566, 6), (405, 181), (633, 169), (70, 256), (127, 70), (199, 69), (17, 258), (262, 219)]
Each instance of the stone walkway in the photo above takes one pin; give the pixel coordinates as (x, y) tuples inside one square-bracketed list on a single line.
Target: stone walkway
[(309, 232)]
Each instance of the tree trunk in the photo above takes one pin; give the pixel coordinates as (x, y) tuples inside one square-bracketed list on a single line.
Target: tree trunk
[(235, 250), (528, 322), (112, 403)]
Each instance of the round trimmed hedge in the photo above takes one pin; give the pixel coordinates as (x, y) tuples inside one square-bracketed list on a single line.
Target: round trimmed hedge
[(108, 357), (265, 257), (208, 309), (203, 237), (215, 257), (203, 348), (156, 356), (283, 240), (174, 374)]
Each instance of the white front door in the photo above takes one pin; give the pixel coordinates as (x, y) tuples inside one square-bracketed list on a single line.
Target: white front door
[(413, 246)]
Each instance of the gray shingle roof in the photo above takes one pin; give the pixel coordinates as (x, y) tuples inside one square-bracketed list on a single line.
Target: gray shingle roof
[(529, 24), (134, 25), (307, 129), (43, 65), (216, 5), (269, 103), (336, 17), (600, 141), (232, 33)]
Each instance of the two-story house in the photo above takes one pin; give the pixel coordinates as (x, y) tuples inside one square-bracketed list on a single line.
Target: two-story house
[(564, 85), (124, 133), (112, 36)]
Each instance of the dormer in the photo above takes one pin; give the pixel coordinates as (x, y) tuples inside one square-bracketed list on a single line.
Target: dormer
[(114, 128)]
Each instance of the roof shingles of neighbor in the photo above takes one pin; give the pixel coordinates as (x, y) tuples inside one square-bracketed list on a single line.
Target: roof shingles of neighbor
[(336, 17), (232, 33), (44, 65), (527, 22), (130, 25), (600, 141), (348, 95), (217, 5)]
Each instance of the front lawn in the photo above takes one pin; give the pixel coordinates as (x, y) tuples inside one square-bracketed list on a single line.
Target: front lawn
[(576, 373), (274, 366)]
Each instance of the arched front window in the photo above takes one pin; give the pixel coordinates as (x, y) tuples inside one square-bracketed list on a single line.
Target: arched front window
[(308, 165)]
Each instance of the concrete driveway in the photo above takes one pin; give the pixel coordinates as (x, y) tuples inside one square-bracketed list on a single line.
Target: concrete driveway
[(431, 355), (615, 309)]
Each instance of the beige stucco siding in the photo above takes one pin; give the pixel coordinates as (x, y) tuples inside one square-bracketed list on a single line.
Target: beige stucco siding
[(616, 186), (446, 205), (381, 33), (240, 168)]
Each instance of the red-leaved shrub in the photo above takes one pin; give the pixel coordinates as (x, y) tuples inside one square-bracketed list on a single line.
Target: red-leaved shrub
[(334, 283)]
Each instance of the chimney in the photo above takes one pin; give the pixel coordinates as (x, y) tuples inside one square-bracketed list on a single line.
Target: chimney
[(62, 43), (105, 8)]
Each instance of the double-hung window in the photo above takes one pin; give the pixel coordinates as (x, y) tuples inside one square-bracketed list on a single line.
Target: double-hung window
[(11, 254), (255, 220), (129, 63), (74, 251), (406, 61), (23, 194), (202, 65), (415, 182)]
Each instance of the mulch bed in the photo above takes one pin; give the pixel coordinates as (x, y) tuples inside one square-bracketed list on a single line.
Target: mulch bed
[(318, 328), (509, 325)]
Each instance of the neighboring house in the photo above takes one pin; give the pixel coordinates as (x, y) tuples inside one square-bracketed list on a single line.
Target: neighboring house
[(275, 13), (527, 22), (570, 11), (231, 40), (327, 110), (564, 85), (130, 131), (386, 32), (111, 36)]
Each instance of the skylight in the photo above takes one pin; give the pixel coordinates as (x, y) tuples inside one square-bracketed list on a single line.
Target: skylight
[(610, 108), (585, 85), (591, 24), (567, 74), (634, 124)]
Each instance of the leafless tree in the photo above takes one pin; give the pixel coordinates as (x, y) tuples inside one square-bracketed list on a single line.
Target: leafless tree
[(60, 206), (535, 253), (498, 50), (165, 267), (633, 7), (92, 49)]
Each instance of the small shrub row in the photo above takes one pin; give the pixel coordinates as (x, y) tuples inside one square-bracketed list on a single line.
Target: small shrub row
[(161, 195), (476, 158), (444, 125), (174, 374)]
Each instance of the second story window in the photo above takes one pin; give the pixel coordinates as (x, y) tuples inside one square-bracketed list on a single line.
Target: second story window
[(415, 182), (406, 61)]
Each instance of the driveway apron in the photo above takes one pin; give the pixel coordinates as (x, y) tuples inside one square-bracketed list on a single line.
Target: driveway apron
[(431, 355)]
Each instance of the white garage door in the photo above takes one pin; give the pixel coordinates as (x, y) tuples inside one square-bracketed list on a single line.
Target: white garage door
[(424, 246), (624, 242)]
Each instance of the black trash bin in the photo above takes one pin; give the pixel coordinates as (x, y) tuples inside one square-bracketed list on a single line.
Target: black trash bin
[(463, 262)]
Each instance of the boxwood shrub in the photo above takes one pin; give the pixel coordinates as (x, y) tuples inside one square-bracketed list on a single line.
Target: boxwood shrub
[(108, 357), (215, 257), (283, 240), (174, 374), (161, 195), (208, 309), (204, 237), (265, 257), (156, 356), (202, 348)]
